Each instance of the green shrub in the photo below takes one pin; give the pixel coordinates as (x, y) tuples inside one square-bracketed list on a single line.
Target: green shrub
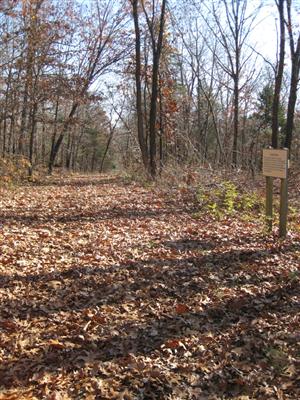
[(227, 199)]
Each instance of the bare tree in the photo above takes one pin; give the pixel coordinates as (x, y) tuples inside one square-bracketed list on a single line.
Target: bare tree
[(103, 38), (232, 29), (295, 67), (279, 68), (157, 44), (138, 83), (155, 21)]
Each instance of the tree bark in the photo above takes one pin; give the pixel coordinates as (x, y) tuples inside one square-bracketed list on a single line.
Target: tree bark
[(295, 57), (139, 106), (278, 76), (292, 98), (32, 136), (157, 48), (56, 145)]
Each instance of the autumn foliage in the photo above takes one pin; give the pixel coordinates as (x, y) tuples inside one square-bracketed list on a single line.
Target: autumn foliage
[(110, 290)]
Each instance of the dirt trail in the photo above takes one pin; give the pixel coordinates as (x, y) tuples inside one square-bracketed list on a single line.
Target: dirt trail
[(110, 291)]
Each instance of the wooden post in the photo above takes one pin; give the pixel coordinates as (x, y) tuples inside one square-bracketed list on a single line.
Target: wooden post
[(269, 203), (283, 208), (275, 165)]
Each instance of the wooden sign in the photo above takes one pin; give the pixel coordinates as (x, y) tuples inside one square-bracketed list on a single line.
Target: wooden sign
[(275, 163)]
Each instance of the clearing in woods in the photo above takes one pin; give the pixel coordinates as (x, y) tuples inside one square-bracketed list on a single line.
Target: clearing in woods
[(115, 291)]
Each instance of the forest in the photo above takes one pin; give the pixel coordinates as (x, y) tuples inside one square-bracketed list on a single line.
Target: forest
[(146, 251), (98, 85)]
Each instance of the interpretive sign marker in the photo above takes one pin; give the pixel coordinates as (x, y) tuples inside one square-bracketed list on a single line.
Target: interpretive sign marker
[(275, 165)]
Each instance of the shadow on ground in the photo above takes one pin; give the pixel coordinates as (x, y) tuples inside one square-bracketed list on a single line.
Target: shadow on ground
[(180, 281), (84, 181)]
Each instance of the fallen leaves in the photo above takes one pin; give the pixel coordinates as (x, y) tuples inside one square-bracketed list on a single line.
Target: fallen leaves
[(118, 292), (182, 308)]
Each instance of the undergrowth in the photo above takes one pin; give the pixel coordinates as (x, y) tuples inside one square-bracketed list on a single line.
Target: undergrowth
[(13, 170), (226, 199)]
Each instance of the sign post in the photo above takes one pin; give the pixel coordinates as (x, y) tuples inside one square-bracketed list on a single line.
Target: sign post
[(269, 203), (283, 207), (275, 165)]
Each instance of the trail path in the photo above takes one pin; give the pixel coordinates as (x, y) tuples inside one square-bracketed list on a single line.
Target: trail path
[(114, 291)]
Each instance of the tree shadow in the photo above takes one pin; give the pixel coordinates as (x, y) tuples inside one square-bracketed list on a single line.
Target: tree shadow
[(92, 180), (35, 217), (78, 289), (101, 215), (189, 244), (157, 335), (176, 278)]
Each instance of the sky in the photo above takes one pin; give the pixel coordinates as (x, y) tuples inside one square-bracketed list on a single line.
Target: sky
[(264, 35)]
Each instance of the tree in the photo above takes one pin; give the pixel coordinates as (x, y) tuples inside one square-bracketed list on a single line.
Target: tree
[(295, 68), (156, 26), (157, 43), (102, 38), (265, 107), (138, 83), (232, 32), (278, 74)]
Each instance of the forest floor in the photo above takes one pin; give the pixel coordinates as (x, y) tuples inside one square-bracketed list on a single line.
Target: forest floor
[(114, 290)]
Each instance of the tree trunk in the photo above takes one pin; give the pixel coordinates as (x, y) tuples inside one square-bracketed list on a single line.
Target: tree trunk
[(292, 98), (56, 144), (106, 150), (157, 48), (23, 120), (295, 57), (152, 117), (235, 122), (139, 107), (279, 76), (32, 137)]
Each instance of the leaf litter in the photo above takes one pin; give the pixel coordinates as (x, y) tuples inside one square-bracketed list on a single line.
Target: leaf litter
[(116, 291)]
